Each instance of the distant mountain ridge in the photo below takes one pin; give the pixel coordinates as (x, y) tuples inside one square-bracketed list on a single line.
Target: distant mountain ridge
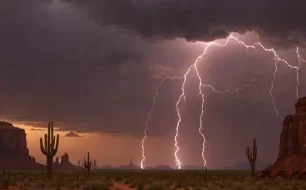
[(246, 166), (158, 167), (192, 167), (242, 166), (129, 166)]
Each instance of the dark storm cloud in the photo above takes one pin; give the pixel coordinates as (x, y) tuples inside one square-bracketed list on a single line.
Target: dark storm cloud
[(56, 65), (279, 22)]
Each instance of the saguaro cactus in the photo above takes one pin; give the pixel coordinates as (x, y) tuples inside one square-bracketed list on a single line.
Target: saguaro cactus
[(252, 155), (87, 164), (94, 164), (49, 148)]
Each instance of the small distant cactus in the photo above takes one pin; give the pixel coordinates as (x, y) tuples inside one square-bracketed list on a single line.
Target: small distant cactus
[(252, 155), (87, 164), (205, 173), (5, 178), (94, 164), (49, 148)]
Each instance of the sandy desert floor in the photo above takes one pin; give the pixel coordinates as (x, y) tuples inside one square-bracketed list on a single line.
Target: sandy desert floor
[(150, 180)]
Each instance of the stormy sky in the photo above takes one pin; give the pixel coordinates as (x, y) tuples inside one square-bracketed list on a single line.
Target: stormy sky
[(92, 66)]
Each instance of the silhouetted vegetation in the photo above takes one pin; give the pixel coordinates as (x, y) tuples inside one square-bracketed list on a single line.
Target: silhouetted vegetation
[(87, 164), (49, 148), (252, 155)]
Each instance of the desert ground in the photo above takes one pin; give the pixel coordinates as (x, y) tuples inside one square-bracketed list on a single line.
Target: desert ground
[(149, 180)]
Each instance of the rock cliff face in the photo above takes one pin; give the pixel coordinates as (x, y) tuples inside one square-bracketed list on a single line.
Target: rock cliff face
[(293, 136), (291, 159), (14, 153), (12, 141)]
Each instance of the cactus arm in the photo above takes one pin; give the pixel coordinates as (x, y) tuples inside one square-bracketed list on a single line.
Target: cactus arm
[(52, 140), (49, 140), (42, 149), (51, 129), (46, 143), (55, 145), (248, 153)]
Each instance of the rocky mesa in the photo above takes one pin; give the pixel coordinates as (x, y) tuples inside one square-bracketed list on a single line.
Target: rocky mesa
[(291, 160), (14, 153), (64, 163)]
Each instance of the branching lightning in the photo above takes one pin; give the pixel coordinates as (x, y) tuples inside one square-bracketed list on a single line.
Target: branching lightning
[(300, 60), (231, 91), (194, 66), (149, 118)]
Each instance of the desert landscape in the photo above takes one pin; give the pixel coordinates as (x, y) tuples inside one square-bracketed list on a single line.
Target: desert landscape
[(20, 170), (153, 94)]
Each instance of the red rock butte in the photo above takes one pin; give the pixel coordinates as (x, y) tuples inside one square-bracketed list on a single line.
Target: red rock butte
[(291, 160), (14, 153)]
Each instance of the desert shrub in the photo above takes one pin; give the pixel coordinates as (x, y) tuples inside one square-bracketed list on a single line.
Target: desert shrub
[(26, 184), (239, 186), (132, 185), (126, 181), (140, 186), (40, 188), (95, 185), (22, 188), (191, 182), (149, 181), (12, 183), (178, 185), (76, 184), (38, 184), (109, 183), (157, 186), (197, 188), (168, 182)]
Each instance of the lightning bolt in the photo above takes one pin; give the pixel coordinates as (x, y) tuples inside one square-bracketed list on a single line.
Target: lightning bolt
[(300, 60), (255, 47), (201, 94), (231, 91), (149, 118)]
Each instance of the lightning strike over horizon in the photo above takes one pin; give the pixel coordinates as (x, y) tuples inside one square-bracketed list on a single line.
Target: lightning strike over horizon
[(149, 117), (194, 66)]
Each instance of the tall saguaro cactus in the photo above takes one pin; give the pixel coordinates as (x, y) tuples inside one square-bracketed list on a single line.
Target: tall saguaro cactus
[(252, 155), (87, 164), (49, 148)]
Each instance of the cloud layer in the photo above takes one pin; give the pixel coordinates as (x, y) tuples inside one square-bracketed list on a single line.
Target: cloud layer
[(279, 22)]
